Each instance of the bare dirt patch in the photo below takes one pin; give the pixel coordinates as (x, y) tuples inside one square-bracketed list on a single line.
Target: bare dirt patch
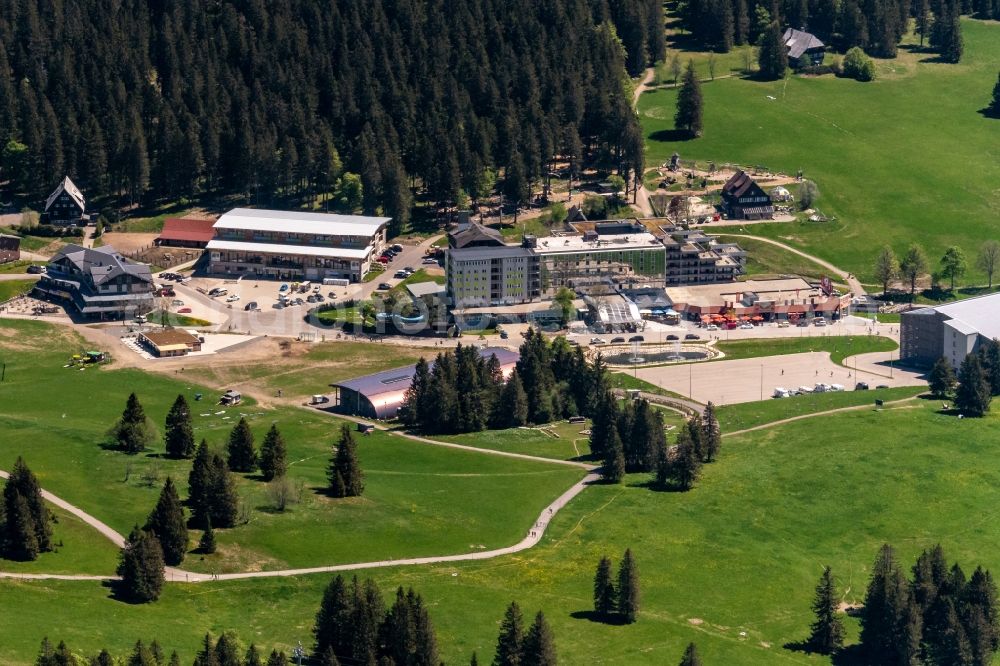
[(127, 242)]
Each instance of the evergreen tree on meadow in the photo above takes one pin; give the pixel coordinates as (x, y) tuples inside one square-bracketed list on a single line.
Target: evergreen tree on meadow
[(827, 634), (134, 431), (240, 452), (175, 660), (613, 469), (989, 358), (224, 500), (886, 616), (685, 465), (26, 527), (141, 567), (539, 644), (141, 655), (227, 650), (277, 658), (206, 542), (178, 433), (605, 596), (510, 642), (273, 455), (415, 400), (941, 379), (994, 106), (628, 588), (511, 409), (604, 424), (712, 433), (168, 525), (663, 468), (102, 658), (252, 657), (691, 657), (332, 630), (689, 103), (344, 473), (973, 395), (772, 56), (696, 435)]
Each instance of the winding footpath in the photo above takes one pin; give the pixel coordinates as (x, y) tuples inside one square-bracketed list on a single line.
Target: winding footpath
[(173, 574)]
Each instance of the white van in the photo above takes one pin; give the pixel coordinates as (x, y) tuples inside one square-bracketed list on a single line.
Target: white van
[(780, 392)]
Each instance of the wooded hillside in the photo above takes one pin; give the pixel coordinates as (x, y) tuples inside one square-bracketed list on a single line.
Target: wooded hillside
[(169, 98)]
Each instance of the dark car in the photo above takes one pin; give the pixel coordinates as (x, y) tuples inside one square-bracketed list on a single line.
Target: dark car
[(617, 340), (252, 305), (861, 386), (384, 286), (672, 337), (34, 269), (692, 336), (636, 338)]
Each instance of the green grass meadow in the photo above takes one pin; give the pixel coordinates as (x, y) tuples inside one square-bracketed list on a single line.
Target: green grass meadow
[(908, 157)]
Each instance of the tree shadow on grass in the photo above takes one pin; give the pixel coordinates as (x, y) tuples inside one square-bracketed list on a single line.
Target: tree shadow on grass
[(671, 135), (592, 616), (115, 593), (848, 656), (652, 485)]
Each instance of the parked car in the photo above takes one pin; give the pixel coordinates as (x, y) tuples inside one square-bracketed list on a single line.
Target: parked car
[(283, 288), (384, 286), (821, 388), (746, 326), (409, 269), (637, 338), (836, 387), (617, 340), (218, 291), (184, 311), (383, 260), (233, 298), (429, 260), (252, 305), (140, 319), (504, 335), (332, 295), (782, 324), (278, 305), (861, 386), (177, 303), (397, 247), (803, 322), (711, 327), (672, 337), (819, 321), (692, 336), (400, 274), (35, 269), (596, 341), (804, 390), (780, 392), (311, 298), (319, 298)]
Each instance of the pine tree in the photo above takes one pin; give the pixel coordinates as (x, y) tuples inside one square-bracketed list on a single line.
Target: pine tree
[(885, 603), (605, 597), (772, 58), (28, 529), (141, 567), (332, 626), (157, 651), (20, 538), (685, 464), (827, 631), (689, 103), (46, 653), (141, 656), (224, 502), (613, 470), (200, 484), (134, 432), (510, 642), (175, 660), (345, 475), (179, 435), (973, 395), (696, 435), (691, 657), (226, 651), (206, 543), (103, 658), (273, 455), (712, 437), (989, 358), (252, 657), (994, 106), (941, 379), (168, 525), (511, 410), (241, 455), (539, 644), (277, 659), (628, 588)]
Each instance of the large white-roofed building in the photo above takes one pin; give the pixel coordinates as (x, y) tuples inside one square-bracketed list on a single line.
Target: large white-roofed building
[(953, 330), (295, 245)]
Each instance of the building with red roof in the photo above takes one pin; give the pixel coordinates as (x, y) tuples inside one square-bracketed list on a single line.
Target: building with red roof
[(186, 232)]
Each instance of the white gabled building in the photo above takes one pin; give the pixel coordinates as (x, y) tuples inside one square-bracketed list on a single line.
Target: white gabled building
[(295, 245)]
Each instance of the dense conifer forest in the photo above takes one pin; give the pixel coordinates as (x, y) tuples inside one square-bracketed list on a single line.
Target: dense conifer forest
[(299, 100)]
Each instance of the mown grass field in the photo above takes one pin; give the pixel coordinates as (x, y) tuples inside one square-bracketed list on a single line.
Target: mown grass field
[(731, 565), (419, 499), (562, 440), (895, 160), (839, 346), (11, 288), (765, 259)]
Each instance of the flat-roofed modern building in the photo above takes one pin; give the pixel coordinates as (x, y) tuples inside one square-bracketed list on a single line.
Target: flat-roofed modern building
[(170, 342), (295, 245), (953, 330), (380, 395), (694, 257)]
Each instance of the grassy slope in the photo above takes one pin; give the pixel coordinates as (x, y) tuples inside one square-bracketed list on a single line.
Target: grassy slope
[(767, 259), (11, 288), (420, 499), (741, 553), (840, 347), (893, 159)]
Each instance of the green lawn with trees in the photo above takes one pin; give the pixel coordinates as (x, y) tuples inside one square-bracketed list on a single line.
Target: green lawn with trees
[(889, 174), (777, 506)]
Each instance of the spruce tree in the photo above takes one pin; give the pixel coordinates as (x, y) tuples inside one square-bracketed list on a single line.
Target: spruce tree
[(685, 464), (332, 626), (539, 644), (20, 538), (613, 470), (133, 432), (941, 379), (772, 58), (178, 433), (994, 106), (689, 103), (883, 607), (989, 358), (628, 588), (691, 657), (277, 659), (273, 455), (973, 395), (103, 658), (712, 434), (827, 630), (206, 543), (252, 657), (226, 651), (175, 660), (168, 525), (241, 455), (605, 597), (141, 567), (345, 475), (696, 433), (510, 642), (200, 485), (511, 409), (28, 529), (224, 501), (46, 653), (141, 656)]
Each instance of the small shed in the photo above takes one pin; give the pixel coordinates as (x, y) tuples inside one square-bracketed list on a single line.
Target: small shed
[(231, 397)]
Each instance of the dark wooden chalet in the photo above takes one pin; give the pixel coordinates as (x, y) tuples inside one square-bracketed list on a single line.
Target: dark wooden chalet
[(66, 205), (804, 49), (10, 248), (743, 199)]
